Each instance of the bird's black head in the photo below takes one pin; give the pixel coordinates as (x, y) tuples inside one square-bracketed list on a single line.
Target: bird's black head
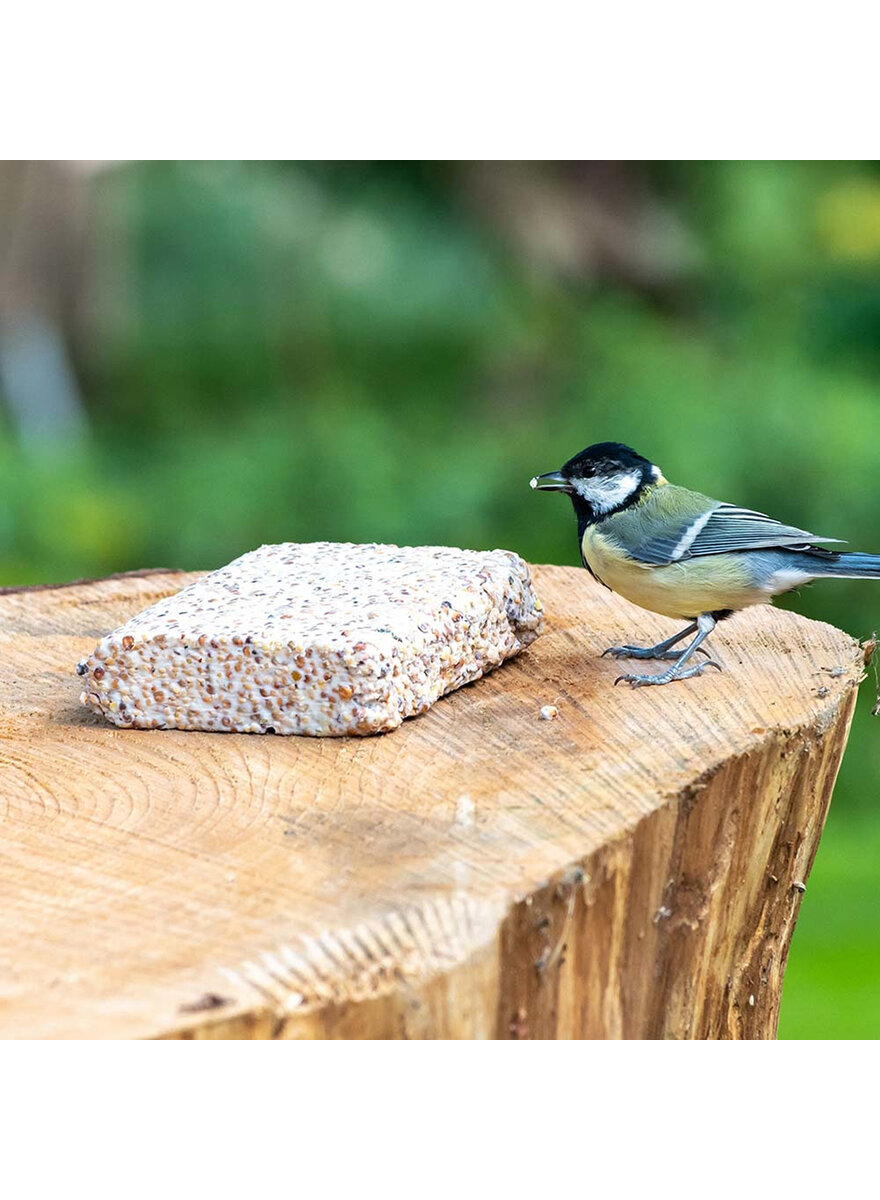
[(601, 479)]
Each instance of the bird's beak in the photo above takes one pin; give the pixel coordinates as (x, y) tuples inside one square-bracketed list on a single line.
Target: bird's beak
[(553, 481)]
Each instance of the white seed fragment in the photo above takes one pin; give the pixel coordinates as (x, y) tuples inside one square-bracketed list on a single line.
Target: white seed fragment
[(464, 811), (549, 712), (320, 638)]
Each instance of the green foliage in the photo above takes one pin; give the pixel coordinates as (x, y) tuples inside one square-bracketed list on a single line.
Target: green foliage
[(304, 352), (833, 977)]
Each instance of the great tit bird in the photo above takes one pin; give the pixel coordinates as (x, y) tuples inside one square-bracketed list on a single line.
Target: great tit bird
[(682, 554)]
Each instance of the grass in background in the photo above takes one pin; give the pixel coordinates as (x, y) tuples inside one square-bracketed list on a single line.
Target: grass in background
[(832, 983)]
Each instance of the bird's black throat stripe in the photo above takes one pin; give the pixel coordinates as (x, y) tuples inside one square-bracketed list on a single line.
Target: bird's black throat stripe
[(583, 525), (587, 515)]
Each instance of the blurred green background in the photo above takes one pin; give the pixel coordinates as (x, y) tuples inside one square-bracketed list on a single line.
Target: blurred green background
[(198, 358)]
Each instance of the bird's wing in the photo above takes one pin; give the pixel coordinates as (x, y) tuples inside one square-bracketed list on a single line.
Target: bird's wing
[(729, 527), (673, 524)]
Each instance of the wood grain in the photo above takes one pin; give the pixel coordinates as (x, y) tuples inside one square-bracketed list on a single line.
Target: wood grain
[(629, 869)]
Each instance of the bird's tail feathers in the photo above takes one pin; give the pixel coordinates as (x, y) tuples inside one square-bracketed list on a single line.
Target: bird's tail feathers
[(846, 566)]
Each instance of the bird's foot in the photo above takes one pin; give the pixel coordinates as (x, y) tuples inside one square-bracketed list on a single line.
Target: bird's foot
[(668, 676), (645, 652)]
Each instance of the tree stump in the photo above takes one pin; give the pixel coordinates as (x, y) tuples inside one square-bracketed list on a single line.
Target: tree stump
[(631, 868)]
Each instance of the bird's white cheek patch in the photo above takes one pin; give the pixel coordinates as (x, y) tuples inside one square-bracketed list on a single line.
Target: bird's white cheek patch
[(609, 492)]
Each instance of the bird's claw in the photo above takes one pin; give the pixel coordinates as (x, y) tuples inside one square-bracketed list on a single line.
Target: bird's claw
[(623, 652), (667, 676), (645, 652)]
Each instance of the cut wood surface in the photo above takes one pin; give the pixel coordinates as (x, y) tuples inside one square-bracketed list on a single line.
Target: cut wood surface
[(631, 868)]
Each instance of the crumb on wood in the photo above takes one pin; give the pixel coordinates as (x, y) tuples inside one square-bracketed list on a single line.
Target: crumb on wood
[(205, 1003), (549, 712), (464, 811), (518, 1025), (572, 877)]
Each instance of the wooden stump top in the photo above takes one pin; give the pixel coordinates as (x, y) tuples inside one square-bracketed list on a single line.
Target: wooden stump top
[(630, 868)]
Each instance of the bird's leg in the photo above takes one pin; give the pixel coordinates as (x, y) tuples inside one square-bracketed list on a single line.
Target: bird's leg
[(661, 650), (705, 624)]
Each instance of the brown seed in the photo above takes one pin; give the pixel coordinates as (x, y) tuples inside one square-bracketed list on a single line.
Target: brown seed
[(128, 643), (98, 672)]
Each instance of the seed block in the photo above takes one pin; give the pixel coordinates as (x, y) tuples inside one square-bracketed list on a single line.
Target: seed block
[(321, 638)]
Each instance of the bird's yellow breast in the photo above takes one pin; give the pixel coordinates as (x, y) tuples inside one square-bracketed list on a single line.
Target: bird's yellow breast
[(685, 589)]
